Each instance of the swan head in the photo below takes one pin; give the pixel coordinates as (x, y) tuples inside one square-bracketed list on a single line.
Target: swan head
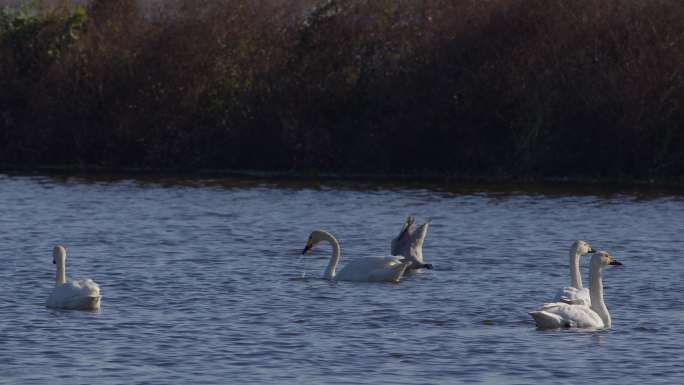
[(581, 247), (602, 259), (59, 254), (315, 237)]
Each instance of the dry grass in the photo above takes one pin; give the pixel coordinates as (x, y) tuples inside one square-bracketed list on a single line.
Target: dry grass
[(470, 87)]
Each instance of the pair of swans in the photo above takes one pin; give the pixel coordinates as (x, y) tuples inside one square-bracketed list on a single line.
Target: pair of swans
[(73, 295), (406, 250), (578, 307)]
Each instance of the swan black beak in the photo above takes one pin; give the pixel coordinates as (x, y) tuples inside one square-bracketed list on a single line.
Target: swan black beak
[(306, 248), (592, 250), (615, 262), (53, 262)]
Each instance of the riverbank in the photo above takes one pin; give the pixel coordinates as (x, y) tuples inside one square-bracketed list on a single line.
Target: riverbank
[(405, 179), (499, 90)]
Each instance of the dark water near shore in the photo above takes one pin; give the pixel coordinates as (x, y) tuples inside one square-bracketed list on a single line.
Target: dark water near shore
[(202, 283)]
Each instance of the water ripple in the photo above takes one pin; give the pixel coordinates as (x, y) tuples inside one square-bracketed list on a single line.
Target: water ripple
[(203, 282)]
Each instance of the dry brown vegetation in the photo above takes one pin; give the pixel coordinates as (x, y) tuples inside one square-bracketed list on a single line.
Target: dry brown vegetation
[(472, 88)]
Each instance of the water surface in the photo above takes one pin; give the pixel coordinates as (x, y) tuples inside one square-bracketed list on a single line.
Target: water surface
[(202, 283)]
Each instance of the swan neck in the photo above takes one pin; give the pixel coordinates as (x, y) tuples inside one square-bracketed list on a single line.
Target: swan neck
[(575, 276), (596, 294), (61, 271), (335, 259)]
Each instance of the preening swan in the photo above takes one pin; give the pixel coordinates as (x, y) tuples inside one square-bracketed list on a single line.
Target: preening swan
[(409, 243), (563, 315), (77, 295), (369, 269), (576, 294)]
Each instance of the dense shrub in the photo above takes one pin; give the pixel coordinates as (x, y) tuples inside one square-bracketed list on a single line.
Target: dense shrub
[(470, 88)]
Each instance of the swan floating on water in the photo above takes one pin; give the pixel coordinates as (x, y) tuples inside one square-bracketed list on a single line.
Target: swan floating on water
[(75, 295), (369, 269), (564, 315), (409, 244), (575, 294)]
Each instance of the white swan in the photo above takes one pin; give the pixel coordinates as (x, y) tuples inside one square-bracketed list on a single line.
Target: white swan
[(576, 294), (369, 269), (563, 315), (77, 295), (409, 243)]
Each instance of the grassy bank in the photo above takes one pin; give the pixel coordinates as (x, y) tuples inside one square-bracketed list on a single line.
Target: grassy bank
[(522, 88)]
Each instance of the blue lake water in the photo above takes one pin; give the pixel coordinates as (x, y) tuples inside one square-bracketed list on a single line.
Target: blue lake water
[(203, 283)]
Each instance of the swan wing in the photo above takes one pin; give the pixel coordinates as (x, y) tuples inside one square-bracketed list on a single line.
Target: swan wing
[(415, 252), (373, 269), (574, 296), (81, 294), (409, 241), (563, 315), (87, 285), (401, 244), (389, 274)]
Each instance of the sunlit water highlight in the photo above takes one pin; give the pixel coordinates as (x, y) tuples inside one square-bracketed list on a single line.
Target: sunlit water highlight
[(203, 283)]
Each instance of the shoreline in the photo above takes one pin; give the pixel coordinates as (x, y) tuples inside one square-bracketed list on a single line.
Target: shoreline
[(311, 175)]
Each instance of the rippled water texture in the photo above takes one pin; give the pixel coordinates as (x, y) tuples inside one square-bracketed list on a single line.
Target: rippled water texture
[(202, 283)]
